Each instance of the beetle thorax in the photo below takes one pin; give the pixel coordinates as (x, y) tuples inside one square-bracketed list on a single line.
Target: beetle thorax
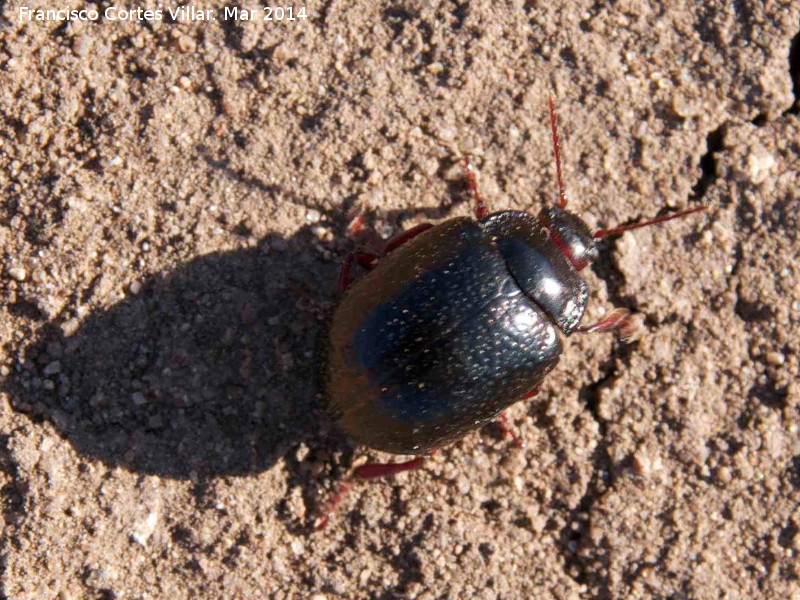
[(540, 268)]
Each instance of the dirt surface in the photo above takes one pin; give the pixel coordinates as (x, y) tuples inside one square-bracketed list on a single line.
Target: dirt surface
[(175, 195)]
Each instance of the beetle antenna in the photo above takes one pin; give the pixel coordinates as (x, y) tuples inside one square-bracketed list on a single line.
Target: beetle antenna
[(481, 212), (601, 233), (562, 196)]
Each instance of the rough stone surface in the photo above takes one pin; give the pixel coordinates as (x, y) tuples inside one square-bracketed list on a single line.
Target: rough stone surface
[(175, 196)]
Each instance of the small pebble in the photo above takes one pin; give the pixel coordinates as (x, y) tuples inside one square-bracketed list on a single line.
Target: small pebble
[(642, 464), (82, 45), (138, 398), (68, 328), (52, 368), (447, 133), (142, 530), (284, 53), (775, 358), (17, 273), (435, 68), (430, 167), (724, 475), (136, 287), (4, 371), (369, 161), (186, 44)]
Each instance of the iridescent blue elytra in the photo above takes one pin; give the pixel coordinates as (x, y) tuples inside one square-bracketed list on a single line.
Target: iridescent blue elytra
[(448, 330)]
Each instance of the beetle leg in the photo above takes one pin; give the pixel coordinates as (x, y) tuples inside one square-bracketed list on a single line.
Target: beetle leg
[(365, 259), (345, 279), (505, 427), (357, 230), (531, 394), (481, 212), (333, 503), (508, 430), (356, 224), (367, 471), (619, 319), (374, 470), (404, 236)]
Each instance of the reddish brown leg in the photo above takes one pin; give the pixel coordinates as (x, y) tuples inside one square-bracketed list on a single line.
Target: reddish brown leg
[(375, 470), (366, 259), (481, 212), (505, 426), (531, 394), (345, 279), (356, 224), (357, 230), (619, 319), (508, 430), (404, 236), (363, 235), (367, 471)]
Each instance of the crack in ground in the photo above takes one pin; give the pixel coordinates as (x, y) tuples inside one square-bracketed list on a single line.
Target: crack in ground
[(794, 73), (583, 563), (715, 142), (14, 491), (761, 120), (605, 268)]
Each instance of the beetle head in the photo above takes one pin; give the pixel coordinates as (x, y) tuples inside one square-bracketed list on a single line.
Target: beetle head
[(571, 235)]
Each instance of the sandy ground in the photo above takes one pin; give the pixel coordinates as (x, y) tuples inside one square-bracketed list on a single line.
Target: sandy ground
[(174, 202)]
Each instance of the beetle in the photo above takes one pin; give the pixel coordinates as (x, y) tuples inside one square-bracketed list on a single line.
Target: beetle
[(455, 322)]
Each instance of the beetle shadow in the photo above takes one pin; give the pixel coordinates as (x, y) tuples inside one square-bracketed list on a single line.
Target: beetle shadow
[(208, 370)]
